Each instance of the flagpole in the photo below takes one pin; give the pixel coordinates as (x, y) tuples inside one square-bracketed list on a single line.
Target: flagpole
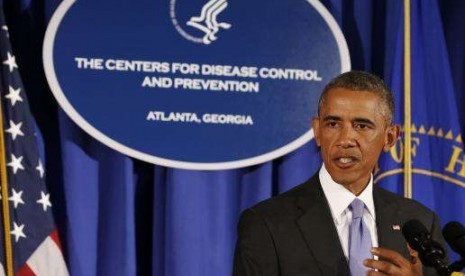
[(5, 205), (407, 103)]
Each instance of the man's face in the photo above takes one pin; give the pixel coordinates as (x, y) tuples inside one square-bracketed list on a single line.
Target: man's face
[(352, 131)]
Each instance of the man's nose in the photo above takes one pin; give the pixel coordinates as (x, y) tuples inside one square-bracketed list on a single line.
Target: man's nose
[(347, 137)]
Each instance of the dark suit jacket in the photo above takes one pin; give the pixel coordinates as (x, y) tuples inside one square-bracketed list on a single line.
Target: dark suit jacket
[(293, 234)]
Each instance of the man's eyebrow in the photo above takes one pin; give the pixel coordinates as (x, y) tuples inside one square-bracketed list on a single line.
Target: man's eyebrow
[(364, 121), (331, 118)]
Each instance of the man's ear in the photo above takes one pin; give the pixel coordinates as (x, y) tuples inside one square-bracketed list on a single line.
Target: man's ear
[(316, 129), (392, 135)]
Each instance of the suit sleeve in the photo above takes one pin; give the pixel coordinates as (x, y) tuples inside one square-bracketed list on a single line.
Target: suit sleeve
[(255, 253), (436, 234)]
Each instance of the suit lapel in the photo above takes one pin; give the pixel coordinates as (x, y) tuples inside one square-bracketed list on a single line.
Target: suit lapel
[(388, 222), (320, 234), (319, 231)]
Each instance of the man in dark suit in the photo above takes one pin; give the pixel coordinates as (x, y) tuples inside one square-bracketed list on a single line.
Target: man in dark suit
[(310, 230)]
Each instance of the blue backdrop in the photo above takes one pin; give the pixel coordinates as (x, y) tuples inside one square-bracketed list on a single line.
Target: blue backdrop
[(119, 216)]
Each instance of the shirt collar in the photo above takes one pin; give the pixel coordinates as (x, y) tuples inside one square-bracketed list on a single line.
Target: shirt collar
[(339, 198)]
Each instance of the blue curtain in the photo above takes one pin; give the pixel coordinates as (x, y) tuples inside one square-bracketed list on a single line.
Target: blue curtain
[(120, 216)]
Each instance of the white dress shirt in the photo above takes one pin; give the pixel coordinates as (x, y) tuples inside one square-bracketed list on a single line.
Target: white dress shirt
[(339, 199)]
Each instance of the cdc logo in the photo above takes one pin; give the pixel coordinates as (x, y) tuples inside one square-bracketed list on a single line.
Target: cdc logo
[(203, 25)]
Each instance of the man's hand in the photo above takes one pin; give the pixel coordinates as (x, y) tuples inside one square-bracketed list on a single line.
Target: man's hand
[(392, 263)]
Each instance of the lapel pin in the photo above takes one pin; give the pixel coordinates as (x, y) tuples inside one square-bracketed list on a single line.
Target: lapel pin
[(396, 227)]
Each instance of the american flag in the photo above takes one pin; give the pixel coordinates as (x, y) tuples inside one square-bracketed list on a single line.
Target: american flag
[(34, 239)]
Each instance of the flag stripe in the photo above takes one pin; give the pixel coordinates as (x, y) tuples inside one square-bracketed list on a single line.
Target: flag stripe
[(25, 271), (40, 263), (55, 237)]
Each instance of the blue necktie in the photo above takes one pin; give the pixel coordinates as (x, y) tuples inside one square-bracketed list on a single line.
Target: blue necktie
[(359, 240)]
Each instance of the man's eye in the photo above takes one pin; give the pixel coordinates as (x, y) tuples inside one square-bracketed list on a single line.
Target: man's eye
[(361, 126), (332, 124)]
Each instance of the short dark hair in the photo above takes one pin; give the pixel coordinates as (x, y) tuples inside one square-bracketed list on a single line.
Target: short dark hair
[(362, 81)]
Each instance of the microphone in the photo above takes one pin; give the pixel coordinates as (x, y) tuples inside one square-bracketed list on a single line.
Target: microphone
[(431, 252), (454, 233)]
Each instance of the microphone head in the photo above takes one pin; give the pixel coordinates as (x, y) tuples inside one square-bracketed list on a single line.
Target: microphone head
[(454, 233), (415, 233), (430, 252)]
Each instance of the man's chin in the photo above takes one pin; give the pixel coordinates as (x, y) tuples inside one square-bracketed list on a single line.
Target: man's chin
[(343, 181), (344, 177)]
